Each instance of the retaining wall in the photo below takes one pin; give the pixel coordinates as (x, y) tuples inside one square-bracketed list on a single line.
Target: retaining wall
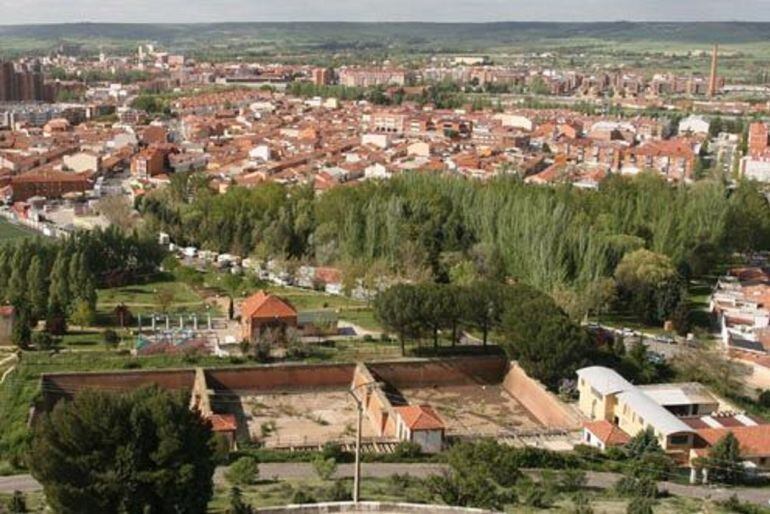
[(452, 371), (282, 377), (545, 406)]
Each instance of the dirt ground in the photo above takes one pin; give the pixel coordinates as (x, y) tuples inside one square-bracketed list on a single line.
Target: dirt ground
[(295, 419), (475, 409)]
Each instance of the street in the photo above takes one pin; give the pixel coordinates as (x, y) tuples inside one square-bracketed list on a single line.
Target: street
[(299, 471)]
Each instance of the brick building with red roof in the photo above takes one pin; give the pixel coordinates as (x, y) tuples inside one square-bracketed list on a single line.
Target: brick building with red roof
[(263, 311)]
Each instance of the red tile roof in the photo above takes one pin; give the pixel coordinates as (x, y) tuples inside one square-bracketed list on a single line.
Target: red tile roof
[(607, 433), (420, 417), (754, 440), (263, 305), (223, 423)]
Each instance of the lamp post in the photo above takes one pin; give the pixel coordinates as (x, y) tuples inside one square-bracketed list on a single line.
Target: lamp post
[(357, 466)]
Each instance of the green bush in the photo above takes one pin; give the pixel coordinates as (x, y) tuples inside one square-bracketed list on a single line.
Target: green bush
[(325, 468), (301, 496), (407, 450), (340, 491), (243, 471)]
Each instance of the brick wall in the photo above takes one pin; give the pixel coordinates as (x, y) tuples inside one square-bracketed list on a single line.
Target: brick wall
[(290, 377), (65, 385), (377, 406), (444, 372)]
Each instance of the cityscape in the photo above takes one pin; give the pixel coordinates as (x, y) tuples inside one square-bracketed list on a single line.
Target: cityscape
[(367, 258)]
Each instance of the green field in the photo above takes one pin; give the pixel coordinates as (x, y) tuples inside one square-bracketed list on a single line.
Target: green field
[(10, 231), (352, 311)]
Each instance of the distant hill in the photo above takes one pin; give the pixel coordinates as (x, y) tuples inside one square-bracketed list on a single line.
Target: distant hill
[(331, 36)]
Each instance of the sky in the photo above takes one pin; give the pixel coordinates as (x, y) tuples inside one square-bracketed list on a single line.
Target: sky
[(187, 11)]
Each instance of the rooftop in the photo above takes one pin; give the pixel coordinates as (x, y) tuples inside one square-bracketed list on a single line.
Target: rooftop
[(604, 380)]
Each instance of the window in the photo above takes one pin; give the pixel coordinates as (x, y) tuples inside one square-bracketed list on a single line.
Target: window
[(679, 440)]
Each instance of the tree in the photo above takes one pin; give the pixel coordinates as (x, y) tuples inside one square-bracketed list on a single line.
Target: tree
[(643, 443), (164, 299), (83, 314), (480, 474), (398, 309), (748, 219), (111, 339), (118, 211), (37, 287), (231, 284), (59, 292), (649, 284), (640, 505), (724, 461), (17, 503), (21, 335), (681, 318), (325, 468), (44, 341), (643, 268), (143, 451), (243, 471), (482, 306), (547, 344), (237, 505), (436, 307), (56, 320)]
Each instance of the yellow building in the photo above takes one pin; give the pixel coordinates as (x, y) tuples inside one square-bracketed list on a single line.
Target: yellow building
[(605, 395)]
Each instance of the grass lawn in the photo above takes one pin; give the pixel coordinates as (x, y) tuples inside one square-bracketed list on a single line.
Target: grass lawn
[(146, 295), (145, 299), (82, 338), (625, 319), (10, 231), (353, 311)]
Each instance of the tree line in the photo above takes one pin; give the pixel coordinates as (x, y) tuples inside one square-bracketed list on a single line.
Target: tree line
[(534, 330), (561, 240), (56, 281)]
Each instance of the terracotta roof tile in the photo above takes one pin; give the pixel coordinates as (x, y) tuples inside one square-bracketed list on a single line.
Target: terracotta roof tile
[(607, 433), (420, 417), (264, 305)]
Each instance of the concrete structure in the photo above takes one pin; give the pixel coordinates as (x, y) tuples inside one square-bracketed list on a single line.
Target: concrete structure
[(305, 406)]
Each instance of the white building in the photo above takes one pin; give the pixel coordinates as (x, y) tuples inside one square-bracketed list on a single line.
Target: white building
[(422, 425), (694, 125)]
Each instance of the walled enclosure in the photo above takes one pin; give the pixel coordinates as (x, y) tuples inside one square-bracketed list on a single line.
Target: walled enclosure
[(378, 385)]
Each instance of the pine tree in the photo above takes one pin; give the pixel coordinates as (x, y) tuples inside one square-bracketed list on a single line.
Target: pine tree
[(59, 292), (17, 285), (5, 271), (37, 289)]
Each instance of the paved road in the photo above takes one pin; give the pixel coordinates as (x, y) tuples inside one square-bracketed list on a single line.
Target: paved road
[(299, 471)]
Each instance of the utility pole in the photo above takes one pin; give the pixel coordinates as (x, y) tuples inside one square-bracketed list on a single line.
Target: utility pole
[(357, 466), (357, 470)]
